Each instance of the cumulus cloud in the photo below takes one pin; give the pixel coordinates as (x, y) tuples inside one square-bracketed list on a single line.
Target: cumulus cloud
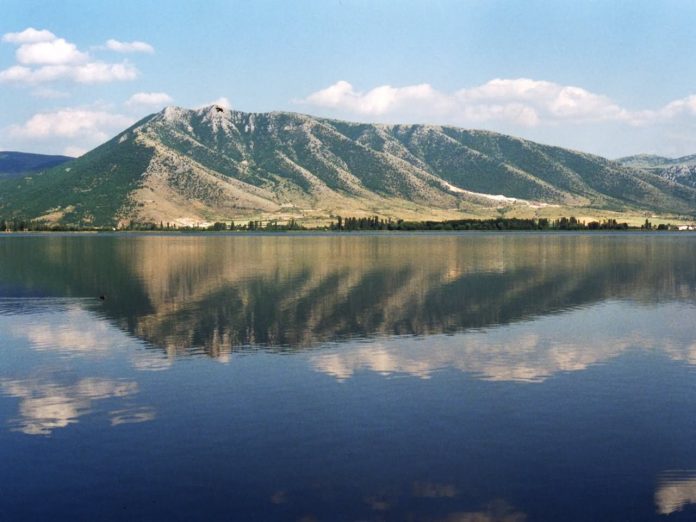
[(129, 47), (380, 100), (222, 102), (149, 99), (71, 123), (44, 57), (521, 101), (54, 52), (88, 73), (100, 72), (684, 106), (29, 35)]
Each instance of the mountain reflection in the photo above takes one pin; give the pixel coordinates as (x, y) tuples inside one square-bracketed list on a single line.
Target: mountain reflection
[(218, 293)]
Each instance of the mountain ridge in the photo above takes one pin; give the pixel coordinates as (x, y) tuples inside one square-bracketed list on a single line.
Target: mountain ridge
[(187, 166), (680, 170), (15, 164)]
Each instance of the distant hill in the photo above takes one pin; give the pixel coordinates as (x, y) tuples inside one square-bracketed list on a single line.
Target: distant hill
[(15, 164), (187, 166), (676, 170)]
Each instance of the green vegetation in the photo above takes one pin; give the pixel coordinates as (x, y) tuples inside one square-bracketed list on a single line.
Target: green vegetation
[(88, 191)]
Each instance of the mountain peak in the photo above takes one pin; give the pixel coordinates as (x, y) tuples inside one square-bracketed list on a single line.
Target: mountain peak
[(190, 166)]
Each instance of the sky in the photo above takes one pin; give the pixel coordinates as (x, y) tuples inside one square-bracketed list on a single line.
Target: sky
[(613, 78)]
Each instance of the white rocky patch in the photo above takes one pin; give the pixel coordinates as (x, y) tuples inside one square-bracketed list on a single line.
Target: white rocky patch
[(500, 198), (174, 114)]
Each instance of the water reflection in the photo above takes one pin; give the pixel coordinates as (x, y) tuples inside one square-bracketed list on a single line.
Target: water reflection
[(369, 377), (676, 490), (46, 405), (529, 351), (70, 329), (216, 294), (497, 511), (47, 348)]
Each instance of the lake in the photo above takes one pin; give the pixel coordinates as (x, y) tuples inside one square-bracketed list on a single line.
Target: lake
[(424, 377)]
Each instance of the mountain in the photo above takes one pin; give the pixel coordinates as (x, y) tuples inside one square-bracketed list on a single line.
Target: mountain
[(676, 170), (15, 164), (653, 161), (188, 166)]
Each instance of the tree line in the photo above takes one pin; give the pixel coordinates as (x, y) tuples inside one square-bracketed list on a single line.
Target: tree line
[(26, 225), (342, 224), (501, 223)]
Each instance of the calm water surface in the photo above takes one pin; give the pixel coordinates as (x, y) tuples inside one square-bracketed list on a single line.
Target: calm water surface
[(473, 377)]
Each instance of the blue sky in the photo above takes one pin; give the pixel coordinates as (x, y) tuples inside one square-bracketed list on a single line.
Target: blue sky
[(613, 78)]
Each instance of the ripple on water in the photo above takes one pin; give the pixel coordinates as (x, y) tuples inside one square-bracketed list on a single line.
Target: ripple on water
[(41, 305)]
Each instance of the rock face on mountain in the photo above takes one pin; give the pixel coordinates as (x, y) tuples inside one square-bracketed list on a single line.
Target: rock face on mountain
[(187, 166), (676, 170), (16, 164)]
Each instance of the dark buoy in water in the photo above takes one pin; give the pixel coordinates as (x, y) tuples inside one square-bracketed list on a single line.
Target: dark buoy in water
[(102, 297)]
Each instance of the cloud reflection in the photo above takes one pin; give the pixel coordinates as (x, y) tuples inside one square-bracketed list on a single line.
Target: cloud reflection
[(132, 415), (497, 511), (676, 490), (63, 325), (69, 327), (46, 406), (524, 352)]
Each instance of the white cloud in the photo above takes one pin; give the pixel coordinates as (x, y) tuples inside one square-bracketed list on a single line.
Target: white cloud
[(684, 106), (88, 73), (16, 73), (55, 52), (380, 100), (129, 47), (547, 100), (74, 152), (149, 99), (71, 123), (100, 72), (43, 57), (222, 102), (522, 102), (29, 35)]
